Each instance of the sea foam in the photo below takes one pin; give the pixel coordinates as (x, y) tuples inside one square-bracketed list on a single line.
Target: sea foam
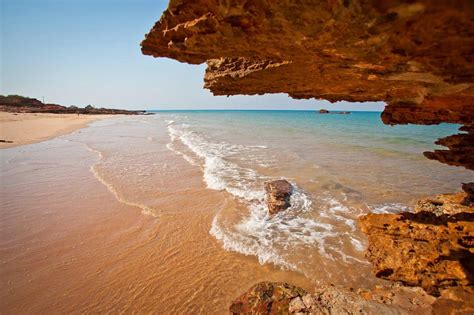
[(270, 239), (97, 174)]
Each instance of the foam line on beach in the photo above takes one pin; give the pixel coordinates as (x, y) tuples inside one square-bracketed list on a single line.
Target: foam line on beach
[(257, 233), (144, 209)]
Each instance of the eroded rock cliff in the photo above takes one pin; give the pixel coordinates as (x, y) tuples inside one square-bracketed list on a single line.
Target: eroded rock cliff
[(432, 248)]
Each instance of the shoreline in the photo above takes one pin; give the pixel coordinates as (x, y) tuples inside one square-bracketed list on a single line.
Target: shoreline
[(28, 128), (83, 250), (76, 238)]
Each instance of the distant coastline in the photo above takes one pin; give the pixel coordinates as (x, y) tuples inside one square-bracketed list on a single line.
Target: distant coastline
[(27, 120), (257, 110), (22, 104)]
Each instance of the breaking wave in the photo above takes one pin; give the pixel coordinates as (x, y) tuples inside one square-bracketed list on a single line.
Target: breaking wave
[(270, 239), (389, 208)]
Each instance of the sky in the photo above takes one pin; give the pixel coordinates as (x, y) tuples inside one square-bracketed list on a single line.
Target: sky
[(80, 52)]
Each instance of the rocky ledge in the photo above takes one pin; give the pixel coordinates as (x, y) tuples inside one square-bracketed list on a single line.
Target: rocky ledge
[(432, 247), (283, 298), (21, 104)]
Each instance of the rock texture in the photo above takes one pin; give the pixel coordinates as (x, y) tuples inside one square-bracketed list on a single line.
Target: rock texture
[(432, 248), (469, 190), (21, 104), (267, 298), (460, 149), (278, 195), (282, 298)]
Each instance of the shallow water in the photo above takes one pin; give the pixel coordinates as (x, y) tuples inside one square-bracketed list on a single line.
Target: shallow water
[(341, 165), (167, 212)]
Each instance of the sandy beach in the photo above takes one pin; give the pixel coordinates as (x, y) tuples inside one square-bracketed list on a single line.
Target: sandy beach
[(25, 128), (237, 157), (165, 214)]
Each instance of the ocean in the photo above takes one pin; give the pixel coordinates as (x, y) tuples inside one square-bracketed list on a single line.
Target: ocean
[(198, 178)]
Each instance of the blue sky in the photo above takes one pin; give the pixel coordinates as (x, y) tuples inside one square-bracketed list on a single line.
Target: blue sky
[(79, 52)]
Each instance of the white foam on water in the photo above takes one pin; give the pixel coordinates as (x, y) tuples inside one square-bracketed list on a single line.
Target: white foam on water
[(389, 208), (351, 259), (94, 169), (237, 242), (219, 173), (270, 239), (186, 157), (337, 211), (358, 245)]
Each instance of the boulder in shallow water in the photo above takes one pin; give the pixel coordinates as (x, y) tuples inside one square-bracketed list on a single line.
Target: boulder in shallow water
[(278, 195)]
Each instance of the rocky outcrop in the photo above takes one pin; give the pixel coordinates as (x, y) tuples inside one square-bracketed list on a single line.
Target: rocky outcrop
[(454, 301), (278, 195), (469, 190), (20, 104), (432, 248), (325, 111), (282, 298), (460, 149), (267, 298)]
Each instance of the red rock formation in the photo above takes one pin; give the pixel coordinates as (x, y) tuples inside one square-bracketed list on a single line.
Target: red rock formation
[(469, 190), (460, 149), (278, 195), (432, 248), (282, 298), (266, 298)]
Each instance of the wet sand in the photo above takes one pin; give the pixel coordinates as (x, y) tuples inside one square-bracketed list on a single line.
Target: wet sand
[(25, 128)]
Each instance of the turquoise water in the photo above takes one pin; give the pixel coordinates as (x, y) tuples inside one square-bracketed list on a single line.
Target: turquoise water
[(358, 129)]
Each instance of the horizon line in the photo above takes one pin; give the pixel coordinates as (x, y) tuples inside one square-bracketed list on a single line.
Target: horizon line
[(262, 109)]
